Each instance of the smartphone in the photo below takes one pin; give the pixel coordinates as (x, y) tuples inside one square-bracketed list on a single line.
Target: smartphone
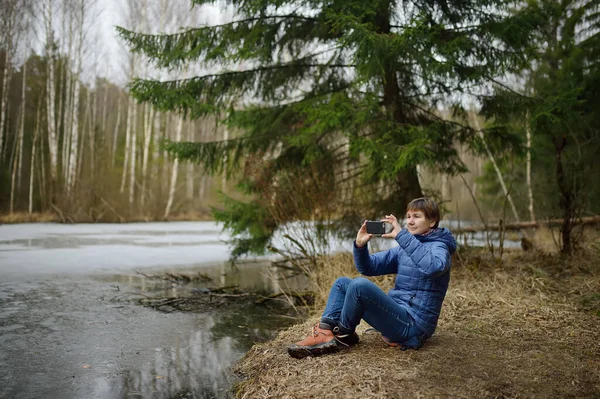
[(378, 227)]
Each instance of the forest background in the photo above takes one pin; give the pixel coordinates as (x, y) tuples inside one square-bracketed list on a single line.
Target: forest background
[(498, 122)]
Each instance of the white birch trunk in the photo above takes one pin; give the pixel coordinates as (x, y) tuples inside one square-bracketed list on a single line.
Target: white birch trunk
[(73, 156), (15, 160), (116, 131), (50, 99), (174, 171), (74, 138), (127, 144), (204, 180), (36, 133), (529, 190), (190, 165), (133, 146), (68, 108), (92, 132), (22, 125), (147, 138), (104, 108), (155, 139), (496, 168), (42, 173), (6, 76)]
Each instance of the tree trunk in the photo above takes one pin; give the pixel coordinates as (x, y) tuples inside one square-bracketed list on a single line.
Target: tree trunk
[(407, 181), (50, 100), (133, 146), (74, 137), (529, 190), (148, 116), (190, 166), (127, 144), (36, 133), (224, 177), (174, 171), (14, 162), (116, 131), (92, 132), (6, 76), (22, 125), (104, 108), (567, 197)]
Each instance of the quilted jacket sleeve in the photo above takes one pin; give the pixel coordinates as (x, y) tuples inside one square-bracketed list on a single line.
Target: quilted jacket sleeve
[(432, 260), (385, 262)]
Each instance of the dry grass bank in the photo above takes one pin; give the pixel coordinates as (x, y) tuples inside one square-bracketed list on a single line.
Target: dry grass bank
[(25, 217), (529, 327)]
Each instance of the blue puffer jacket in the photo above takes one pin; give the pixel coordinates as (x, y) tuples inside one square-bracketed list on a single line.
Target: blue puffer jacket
[(422, 264)]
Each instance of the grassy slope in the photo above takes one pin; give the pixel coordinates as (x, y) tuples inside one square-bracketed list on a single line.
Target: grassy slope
[(529, 327)]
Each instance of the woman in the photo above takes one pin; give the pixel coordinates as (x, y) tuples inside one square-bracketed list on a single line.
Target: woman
[(408, 314)]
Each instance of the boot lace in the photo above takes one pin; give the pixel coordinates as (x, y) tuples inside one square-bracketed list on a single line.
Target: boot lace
[(338, 336)]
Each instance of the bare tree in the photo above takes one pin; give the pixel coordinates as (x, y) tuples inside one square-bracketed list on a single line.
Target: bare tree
[(21, 133), (133, 146), (36, 134), (130, 107), (529, 191), (50, 100), (174, 170), (116, 131), (9, 17), (190, 165), (148, 116), (73, 156)]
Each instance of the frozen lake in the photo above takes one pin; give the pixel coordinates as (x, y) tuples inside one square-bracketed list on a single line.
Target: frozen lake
[(63, 334)]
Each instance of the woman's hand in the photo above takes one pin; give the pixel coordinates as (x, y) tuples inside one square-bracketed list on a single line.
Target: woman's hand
[(362, 237), (396, 228)]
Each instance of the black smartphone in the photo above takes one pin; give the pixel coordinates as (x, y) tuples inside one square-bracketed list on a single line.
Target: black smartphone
[(376, 227)]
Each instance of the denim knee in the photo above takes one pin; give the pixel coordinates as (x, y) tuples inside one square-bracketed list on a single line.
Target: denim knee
[(359, 284), (342, 282)]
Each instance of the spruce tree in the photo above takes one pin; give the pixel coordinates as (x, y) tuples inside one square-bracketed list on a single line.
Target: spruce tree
[(334, 103)]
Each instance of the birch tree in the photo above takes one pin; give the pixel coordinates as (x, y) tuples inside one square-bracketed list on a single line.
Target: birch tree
[(50, 95), (130, 105), (76, 93), (116, 131), (10, 10), (22, 123), (174, 170), (36, 134)]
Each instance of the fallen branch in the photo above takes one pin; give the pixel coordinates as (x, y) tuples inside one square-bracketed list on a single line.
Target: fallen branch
[(301, 295), (526, 225)]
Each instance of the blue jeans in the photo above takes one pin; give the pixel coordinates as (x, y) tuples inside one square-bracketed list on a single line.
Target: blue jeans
[(353, 299)]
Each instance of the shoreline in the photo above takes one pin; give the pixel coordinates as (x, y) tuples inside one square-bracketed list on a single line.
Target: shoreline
[(49, 217)]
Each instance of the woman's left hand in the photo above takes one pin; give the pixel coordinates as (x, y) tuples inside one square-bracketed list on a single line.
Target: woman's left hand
[(396, 228)]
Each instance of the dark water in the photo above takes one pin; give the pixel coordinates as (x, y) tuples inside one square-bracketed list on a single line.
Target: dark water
[(70, 326)]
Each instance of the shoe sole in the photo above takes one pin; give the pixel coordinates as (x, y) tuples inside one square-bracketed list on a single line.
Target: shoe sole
[(300, 352)]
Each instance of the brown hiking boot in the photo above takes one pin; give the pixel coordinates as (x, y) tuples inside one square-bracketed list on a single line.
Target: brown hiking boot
[(323, 340)]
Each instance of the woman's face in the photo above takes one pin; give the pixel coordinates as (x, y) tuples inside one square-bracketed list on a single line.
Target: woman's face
[(417, 223)]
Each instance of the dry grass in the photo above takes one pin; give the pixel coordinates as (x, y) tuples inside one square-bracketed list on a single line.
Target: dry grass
[(526, 328), (25, 217)]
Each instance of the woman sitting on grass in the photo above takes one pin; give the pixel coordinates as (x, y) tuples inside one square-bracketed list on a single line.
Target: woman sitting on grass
[(408, 314)]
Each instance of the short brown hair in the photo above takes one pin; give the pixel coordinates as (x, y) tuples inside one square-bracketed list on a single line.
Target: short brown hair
[(428, 207)]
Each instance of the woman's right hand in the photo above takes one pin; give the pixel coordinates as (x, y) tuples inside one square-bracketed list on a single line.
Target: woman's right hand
[(362, 237)]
